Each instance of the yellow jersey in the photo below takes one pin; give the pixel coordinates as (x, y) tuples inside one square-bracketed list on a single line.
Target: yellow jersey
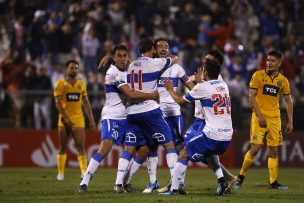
[(269, 91), (71, 100)]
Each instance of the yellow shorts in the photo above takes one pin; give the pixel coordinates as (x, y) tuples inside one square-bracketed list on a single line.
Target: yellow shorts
[(78, 122), (272, 132)]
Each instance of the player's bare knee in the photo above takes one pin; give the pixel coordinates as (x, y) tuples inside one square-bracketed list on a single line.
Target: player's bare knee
[(272, 152)]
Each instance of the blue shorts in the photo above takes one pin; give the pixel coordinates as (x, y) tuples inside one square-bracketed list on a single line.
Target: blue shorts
[(176, 125), (134, 136), (113, 130), (196, 128), (201, 146), (149, 125)]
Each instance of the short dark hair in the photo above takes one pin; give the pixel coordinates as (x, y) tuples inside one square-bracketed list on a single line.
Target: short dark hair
[(145, 45), (217, 55), (276, 54), (158, 40), (213, 68), (71, 61), (120, 47)]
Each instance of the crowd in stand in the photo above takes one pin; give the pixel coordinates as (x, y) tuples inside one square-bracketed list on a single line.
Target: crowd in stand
[(37, 37)]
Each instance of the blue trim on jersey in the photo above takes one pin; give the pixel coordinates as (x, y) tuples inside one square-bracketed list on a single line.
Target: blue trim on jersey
[(210, 102), (168, 62), (146, 77), (112, 88), (189, 97), (175, 82)]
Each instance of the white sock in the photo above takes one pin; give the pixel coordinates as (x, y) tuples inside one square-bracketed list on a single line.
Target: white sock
[(152, 168), (182, 181), (121, 170), (178, 172), (134, 168), (218, 173), (171, 160), (92, 167)]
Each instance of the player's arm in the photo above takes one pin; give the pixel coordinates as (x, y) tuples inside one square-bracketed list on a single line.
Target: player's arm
[(88, 111), (168, 84), (289, 109), (189, 84), (105, 61), (66, 120), (138, 96), (252, 99)]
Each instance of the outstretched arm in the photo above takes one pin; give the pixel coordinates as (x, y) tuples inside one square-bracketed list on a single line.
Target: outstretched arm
[(138, 96), (169, 86)]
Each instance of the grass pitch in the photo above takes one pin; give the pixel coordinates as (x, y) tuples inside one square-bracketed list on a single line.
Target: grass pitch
[(40, 185)]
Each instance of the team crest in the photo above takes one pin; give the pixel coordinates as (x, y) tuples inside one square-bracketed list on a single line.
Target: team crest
[(279, 83), (255, 137), (79, 87)]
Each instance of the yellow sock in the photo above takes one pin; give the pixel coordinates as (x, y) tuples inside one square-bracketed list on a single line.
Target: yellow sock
[(273, 169), (248, 160), (83, 162), (61, 160)]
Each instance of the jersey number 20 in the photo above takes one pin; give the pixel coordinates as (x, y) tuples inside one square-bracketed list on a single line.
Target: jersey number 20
[(219, 103), (139, 79)]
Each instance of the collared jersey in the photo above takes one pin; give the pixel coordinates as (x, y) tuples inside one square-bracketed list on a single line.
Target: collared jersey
[(71, 98), (115, 104), (142, 76), (215, 102), (167, 104), (269, 91)]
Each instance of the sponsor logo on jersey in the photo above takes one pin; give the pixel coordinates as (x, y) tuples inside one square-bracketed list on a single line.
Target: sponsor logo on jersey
[(279, 83), (271, 90), (73, 97)]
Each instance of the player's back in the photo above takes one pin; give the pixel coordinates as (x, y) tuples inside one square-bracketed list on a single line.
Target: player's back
[(115, 104), (142, 76), (215, 103)]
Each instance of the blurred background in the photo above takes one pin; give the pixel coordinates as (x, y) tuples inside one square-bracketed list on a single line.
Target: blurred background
[(38, 36)]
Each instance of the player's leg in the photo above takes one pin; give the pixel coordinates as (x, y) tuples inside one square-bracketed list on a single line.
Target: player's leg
[(178, 171), (79, 138), (141, 155), (62, 156), (104, 148), (257, 134), (152, 162), (123, 164), (274, 139)]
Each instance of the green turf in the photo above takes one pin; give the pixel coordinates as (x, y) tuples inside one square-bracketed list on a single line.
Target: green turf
[(39, 185)]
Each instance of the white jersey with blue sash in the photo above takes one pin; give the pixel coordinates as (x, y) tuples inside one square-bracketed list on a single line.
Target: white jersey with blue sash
[(215, 102), (142, 76), (167, 104), (115, 104)]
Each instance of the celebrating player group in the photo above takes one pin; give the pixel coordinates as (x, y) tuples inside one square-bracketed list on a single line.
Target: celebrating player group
[(142, 111)]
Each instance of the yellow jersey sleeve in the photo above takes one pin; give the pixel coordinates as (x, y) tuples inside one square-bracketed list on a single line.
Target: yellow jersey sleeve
[(84, 89), (285, 87), (254, 82), (58, 89)]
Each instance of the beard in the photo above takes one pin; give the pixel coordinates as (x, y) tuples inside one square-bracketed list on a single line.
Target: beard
[(73, 75)]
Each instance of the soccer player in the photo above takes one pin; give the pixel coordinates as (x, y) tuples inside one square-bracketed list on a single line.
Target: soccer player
[(170, 110), (114, 111), (145, 121), (264, 94), (70, 94), (215, 136)]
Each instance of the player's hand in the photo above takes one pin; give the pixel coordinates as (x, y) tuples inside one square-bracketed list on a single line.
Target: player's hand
[(289, 128), (68, 123), (198, 75), (104, 61), (168, 84), (262, 122), (92, 125), (155, 96)]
